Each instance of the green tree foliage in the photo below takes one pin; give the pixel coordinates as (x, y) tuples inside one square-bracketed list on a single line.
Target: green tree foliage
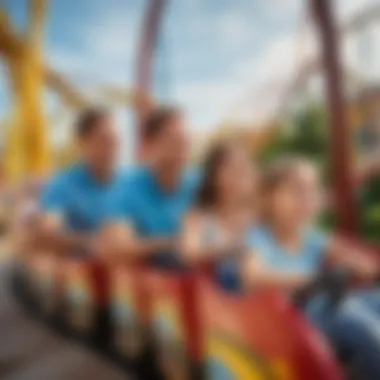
[(304, 133), (369, 210)]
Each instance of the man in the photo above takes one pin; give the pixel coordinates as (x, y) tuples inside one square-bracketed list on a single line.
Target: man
[(74, 203), (148, 207)]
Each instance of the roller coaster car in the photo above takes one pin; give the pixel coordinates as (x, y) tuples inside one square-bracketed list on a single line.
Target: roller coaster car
[(86, 292), (130, 312), (199, 330), (260, 336), (176, 324), (231, 336)]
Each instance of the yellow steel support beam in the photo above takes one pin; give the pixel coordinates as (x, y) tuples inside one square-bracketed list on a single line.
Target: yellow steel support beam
[(17, 149), (27, 150), (27, 153), (37, 152), (69, 95), (12, 46)]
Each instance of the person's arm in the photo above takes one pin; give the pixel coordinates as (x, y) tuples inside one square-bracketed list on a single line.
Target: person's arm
[(53, 237), (255, 274), (119, 241), (118, 237), (341, 253), (193, 247)]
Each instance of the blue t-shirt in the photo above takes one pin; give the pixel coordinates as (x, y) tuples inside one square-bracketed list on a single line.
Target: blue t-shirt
[(152, 212), (261, 242), (307, 261), (78, 198)]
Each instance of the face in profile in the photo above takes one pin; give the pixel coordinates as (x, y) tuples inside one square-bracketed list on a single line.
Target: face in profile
[(236, 177), (101, 146), (170, 146), (297, 199)]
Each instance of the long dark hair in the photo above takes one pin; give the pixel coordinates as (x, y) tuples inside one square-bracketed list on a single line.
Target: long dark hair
[(214, 160)]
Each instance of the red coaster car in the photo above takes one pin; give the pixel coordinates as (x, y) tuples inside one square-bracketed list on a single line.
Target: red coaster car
[(233, 336), (260, 336), (86, 292), (130, 310), (176, 324)]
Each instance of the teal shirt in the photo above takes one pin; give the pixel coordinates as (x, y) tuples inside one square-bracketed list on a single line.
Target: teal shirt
[(261, 241), (307, 261), (78, 198), (151, 211)]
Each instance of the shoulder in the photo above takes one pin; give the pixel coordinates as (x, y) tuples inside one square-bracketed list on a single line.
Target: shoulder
[(134, 175), (257, 235), (127, 182), (190, 180), (317, 239), (57, 190), (59, 180), (120, 177), (192, 175)]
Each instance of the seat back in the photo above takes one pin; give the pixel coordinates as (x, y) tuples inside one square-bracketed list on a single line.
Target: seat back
[(86, 290), (175, 323), (260, 337), (130, 310)]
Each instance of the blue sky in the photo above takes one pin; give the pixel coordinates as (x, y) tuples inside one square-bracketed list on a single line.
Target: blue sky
[(211, 54)]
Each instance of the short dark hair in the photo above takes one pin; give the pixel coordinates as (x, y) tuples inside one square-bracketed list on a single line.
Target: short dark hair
[(88, 120), (157, 120)]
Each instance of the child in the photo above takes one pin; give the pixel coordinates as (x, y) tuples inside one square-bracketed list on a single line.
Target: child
[(287, 252), (214, 230)]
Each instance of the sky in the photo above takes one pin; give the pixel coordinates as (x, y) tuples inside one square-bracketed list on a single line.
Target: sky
[(213, 57)]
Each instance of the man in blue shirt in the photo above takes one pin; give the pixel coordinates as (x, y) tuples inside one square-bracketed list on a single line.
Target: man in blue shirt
[(73, 204), (147, 209)]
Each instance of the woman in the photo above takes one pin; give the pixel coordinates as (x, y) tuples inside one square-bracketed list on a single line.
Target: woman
[(224, 211), (287, 251)]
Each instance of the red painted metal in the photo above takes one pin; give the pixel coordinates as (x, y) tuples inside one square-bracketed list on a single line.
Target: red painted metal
[(130, 281), (262, 334), (176, 323), (178, 292), (341, 157), (90, 274), (145, 60), (130, 292)]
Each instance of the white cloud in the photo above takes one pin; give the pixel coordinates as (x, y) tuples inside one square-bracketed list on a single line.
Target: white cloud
[(253, 89), (284, 10), (205, 101), (233, 27), (347, 8), (114, 35), (212, 101), (109, 38), (265, 54)]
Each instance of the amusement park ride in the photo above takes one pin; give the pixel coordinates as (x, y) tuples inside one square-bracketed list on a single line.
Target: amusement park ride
[(27, 147), (196, 327)]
